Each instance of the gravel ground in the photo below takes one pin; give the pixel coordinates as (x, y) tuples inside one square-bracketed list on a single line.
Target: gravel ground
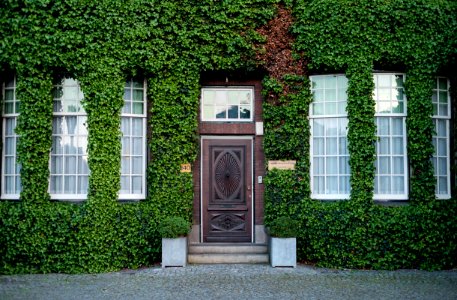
[(234, 282)]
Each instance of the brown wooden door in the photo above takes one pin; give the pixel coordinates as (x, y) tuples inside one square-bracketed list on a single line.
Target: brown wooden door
[(227, 190)]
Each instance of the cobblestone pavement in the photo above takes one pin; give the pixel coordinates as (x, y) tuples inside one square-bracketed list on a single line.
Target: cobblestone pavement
[(234, 282)]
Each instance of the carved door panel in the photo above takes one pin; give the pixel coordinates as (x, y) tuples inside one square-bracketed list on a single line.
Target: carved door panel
[(227, 190)]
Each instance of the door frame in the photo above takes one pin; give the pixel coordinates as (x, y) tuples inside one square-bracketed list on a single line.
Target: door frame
[(227, 137)]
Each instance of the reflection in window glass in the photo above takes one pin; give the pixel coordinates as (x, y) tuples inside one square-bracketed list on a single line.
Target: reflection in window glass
[(227, 104), (441, 119), (11, 180), (133, 127), (391, 159), (68, 163), (330, 171)]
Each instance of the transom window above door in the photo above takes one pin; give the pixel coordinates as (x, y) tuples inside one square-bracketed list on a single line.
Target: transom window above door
[(227, 104)]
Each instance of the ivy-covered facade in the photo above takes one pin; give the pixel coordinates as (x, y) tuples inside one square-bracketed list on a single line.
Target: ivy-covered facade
[(106, 105)]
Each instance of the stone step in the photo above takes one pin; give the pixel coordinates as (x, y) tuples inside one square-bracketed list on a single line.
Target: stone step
[(220, 253), (215, 258), (225, 248)]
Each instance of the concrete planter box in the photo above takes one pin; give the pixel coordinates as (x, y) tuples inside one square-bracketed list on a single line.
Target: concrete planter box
[(283, 252), (174, 252)]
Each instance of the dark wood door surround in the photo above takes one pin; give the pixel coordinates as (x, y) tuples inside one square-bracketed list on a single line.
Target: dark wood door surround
[(227, 190), (228, 133)]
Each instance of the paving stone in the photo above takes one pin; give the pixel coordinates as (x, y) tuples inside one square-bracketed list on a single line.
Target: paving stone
[(234, 282)]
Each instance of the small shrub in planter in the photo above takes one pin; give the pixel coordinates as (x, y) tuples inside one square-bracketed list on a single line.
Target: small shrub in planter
[(283, 243), (174, 241)]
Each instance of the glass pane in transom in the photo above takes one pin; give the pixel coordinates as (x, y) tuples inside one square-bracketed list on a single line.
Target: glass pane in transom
[(231, 104)]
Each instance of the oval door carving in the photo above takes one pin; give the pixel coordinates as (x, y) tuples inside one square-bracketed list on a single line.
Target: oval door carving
[(228, 175)]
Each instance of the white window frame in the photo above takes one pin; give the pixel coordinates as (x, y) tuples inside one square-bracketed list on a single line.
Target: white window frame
[(226, 89), (390, 116), (143, 117), (13, 116), (325, 116), (81, 113), (446, 119)]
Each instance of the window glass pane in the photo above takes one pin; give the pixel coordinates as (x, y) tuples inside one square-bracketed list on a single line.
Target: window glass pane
[(442, 83), (128, 94), (398, 80), (318, 146), (70, 184), (317, 82), (126, 146), (221, 97), (344, 185), (125, 186), (319, 185), (233, 97), (138, 95), (137, 185), (10, 146), (125, 165), (342, 82), (318, 96), (208, 112), (331, 146), (56, 165), (384, 185), (331, 166), (9, 165), (443, 97), (9, 184), (83, 166), (330, 82), (137, 129), (383, 126), (397, 145), (398, 185), (331, 108), (318, 109), (397, 126), (384, 146), (332, 184), (442, 184), (384, 165), (442, 147), (245, 112), (383, 80), (398, 165), (138, 146), (137, 166), (56, 184), (209, 97), (127, 108), (82, 185), (344, 165), (318, 166), (9, 94), (442, 166), (220, 113), (233, 112), (342, 149), (330, 95), (137, 108)]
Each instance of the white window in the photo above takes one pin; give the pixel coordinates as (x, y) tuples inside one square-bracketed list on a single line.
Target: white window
[(330, 170), (11, 180), (133, 127), (391, 182), (69, 167), (227, 104), (441, 116)]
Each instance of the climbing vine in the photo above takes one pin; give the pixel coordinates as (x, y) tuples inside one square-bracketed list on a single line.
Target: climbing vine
[(102, 43)]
